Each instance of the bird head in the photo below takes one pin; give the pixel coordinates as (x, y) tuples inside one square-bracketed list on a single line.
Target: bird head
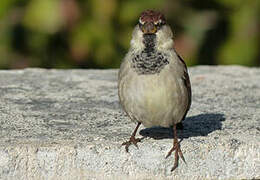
[(151, 21), (152, 30)]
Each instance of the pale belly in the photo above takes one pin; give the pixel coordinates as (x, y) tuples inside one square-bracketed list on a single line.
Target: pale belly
[(153, 100)]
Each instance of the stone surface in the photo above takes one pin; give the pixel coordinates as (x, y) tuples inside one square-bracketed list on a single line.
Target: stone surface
[(67, 124)]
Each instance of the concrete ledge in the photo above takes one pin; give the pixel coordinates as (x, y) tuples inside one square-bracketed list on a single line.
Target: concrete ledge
[(67, 124)]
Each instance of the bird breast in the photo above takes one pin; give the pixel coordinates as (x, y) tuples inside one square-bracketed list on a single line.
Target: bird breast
[(154, 99)]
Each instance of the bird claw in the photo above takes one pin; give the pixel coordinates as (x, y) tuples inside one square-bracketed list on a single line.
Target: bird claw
[(170, 152), (178, 153), (181, 155), (133, 141), (176, 162)]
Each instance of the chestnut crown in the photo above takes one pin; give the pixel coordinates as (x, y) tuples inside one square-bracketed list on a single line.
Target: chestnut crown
[(150, 16), (151, 21)]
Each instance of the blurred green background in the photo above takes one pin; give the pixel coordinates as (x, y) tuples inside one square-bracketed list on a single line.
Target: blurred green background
[(96, 33)]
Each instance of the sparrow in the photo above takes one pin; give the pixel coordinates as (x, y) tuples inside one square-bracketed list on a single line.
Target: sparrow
[(153, 82)]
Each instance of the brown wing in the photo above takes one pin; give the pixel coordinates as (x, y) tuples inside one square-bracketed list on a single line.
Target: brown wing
[(186, 81)]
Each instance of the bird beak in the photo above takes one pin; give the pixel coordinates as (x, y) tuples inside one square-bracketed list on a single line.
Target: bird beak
[(149, 28)]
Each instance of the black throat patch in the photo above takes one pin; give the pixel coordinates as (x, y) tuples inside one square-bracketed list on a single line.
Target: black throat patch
[(149, 60)]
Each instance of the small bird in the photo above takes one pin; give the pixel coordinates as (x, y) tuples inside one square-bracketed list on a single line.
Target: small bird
[(153, 82)]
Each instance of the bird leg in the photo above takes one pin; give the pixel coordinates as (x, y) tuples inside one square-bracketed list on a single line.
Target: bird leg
[(177, 149), (132, 139)]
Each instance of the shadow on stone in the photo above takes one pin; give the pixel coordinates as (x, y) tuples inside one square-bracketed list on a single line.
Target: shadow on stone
[(199, 125)]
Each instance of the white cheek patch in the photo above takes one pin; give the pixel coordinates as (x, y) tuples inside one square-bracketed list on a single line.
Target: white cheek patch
[(137, 39), (164, 38)]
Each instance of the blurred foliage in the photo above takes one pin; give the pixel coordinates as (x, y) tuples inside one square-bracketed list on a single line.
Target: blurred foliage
[(96, 33)]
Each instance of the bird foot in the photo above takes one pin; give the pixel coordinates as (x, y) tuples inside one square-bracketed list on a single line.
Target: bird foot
[(178, 153), (133, 141)]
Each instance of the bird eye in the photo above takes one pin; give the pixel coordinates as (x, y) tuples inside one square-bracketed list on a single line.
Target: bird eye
[(158, 23)]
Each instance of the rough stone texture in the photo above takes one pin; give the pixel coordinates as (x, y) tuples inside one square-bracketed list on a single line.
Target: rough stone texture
[(67, 124)]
